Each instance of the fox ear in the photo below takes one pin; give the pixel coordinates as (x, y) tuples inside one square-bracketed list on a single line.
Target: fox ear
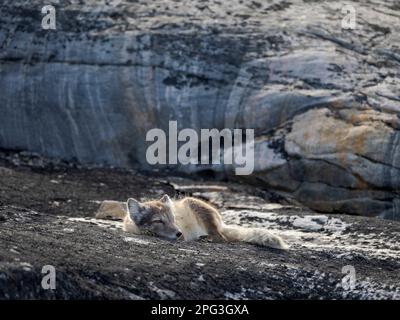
[(166, 200), (135, 210)]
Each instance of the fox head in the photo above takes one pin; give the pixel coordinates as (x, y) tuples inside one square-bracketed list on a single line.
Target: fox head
[(155, 217)]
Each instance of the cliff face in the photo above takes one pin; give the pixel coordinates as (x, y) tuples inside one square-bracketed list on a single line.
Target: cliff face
[(324, 101)]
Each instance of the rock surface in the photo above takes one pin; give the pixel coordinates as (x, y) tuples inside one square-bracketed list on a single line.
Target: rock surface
[(95, 259), (324, 101)]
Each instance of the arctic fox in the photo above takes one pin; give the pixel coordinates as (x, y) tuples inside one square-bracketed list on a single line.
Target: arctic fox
[(185, 219)]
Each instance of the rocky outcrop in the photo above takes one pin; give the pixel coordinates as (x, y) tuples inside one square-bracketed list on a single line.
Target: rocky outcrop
[(330, 256), (323, 100), (341, 160)]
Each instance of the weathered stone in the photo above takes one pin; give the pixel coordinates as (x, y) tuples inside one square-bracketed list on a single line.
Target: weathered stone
[(95, 259), (324, 101)]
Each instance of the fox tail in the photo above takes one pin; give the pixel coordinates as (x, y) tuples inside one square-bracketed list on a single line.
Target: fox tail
[(256, 236)]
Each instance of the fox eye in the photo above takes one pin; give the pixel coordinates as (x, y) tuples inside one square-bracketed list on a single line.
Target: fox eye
[(158, 221)]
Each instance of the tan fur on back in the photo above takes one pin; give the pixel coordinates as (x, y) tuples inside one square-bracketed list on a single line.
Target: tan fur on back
[(188, 221)]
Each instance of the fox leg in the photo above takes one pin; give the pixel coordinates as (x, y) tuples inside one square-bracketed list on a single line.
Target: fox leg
[(218, 237)]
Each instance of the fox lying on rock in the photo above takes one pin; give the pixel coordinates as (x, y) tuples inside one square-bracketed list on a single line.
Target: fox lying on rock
[(185, 219)]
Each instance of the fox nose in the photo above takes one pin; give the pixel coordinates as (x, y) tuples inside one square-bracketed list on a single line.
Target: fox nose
[(178, 235)]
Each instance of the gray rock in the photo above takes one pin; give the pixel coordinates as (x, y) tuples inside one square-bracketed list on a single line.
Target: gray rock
[(324, 101), (95, 259)]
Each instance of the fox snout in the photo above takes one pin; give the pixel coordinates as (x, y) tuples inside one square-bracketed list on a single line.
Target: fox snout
[(175, 236), (171, 233)]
